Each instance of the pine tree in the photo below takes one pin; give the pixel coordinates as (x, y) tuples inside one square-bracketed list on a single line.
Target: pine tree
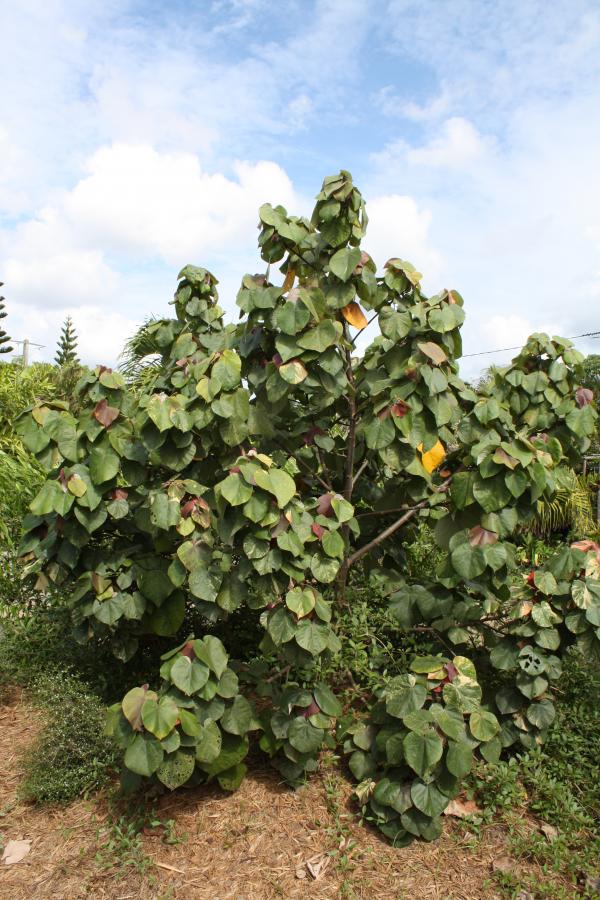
[(66, 353), (4, 338)]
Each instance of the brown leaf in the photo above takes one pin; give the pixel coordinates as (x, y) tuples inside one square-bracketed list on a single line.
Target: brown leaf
[(460, 809), (399, 409), (354, 315), (15, 851), (317, 530), (504, 458), (317, 865), (583, 396), (503, 864), (549, 831), (433, 351), (289, 280), (481, 537), (104, 413)]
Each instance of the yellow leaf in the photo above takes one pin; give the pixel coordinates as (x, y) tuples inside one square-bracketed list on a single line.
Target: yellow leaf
[(354, 315), (432, 458), (289, 280)]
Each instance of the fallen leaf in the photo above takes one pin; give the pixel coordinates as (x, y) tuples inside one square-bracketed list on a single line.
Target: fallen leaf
[(15, 851), (462, 808), (317, 865), (503, 864), (300, 872), (549, 830)]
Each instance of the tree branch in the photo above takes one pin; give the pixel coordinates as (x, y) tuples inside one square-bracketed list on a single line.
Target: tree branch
[(391, 529), (304, 465), (358, 333), (361, 469)]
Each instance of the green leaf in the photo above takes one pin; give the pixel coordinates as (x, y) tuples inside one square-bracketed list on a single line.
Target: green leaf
[(235, 490), (208, 747), (459, 758), (468, 561), (304, 737), (231, 779), (541, 714), (545, 582), (344, 262), (211, 651), (160, 717), (205, 584), (176, 769), (144, 755), (327, 701), (292, 317), (484, 725), (342, 508), (312, 637), (320, 338), (426, 664), (403, 695), (233, 750), (168, 618), (189, 676), (238, 718), (463, 695), (428, 798), (293, 372), (422, 751), (301, 601), (324, 569), (103, 464), (277, 482), (132, 704)]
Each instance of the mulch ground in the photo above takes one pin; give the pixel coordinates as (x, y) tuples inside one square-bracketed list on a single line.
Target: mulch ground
[(257, 844)]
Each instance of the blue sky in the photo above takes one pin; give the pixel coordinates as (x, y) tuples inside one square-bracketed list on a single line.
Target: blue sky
[(138, 136)]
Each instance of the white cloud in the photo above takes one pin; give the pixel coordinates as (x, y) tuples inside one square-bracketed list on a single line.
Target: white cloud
[(398, 227), (458, 145), (136, 200)]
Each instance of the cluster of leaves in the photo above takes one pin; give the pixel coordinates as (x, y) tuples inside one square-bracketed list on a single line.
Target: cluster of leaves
[(194, 728), (298, 727), (418, 744), (263, 460), (557, 606)]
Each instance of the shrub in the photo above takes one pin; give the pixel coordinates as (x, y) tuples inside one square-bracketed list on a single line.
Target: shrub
[(263, 461), (70, 758)]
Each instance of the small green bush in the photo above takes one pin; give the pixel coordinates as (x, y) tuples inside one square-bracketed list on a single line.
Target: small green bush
[(71, 757)]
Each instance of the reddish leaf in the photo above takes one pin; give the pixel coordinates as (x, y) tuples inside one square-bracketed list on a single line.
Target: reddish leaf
[(104, 413), (399, 409), (384, 414), (188, 650), (317, 530), (324, 505), (310, 435), (480, 537), (451, 671), (187, 508), (311, 710), (119, 494), (583, 396), (277, 360)]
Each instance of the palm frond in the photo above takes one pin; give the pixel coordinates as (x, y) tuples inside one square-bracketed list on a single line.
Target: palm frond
[(141, 358), (571, 508)]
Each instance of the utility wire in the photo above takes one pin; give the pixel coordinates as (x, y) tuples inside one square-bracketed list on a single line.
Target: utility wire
[(520, 347)]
